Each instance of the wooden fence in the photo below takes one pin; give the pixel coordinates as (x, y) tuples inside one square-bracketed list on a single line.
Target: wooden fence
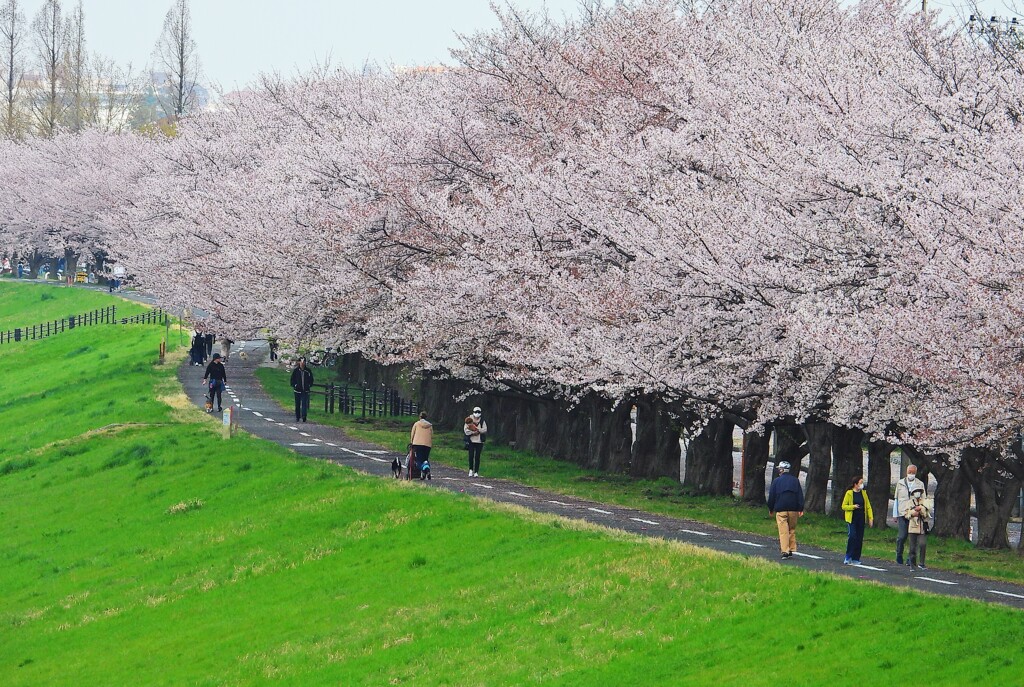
[(106, 315), (357, 400)]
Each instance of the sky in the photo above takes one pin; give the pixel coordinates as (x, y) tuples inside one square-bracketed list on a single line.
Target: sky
[(239, 39)]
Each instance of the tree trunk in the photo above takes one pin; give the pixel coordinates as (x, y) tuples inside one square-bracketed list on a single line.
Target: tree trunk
[(611, 437), (755, 462), (879, 482), (709, 460), (994, 497), (952, 500), (848, 455), (656, 449), (819, 444), (790, 445)]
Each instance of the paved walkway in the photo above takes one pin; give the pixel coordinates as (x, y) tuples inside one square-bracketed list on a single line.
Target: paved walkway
[(259, 414)]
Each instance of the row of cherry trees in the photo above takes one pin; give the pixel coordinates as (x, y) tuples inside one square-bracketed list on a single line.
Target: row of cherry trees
[(794, 214)]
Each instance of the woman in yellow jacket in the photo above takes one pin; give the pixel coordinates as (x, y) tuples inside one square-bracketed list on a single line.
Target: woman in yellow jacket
[(857, 509)]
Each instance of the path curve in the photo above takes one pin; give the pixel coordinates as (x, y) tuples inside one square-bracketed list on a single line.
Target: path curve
[(260, 415)]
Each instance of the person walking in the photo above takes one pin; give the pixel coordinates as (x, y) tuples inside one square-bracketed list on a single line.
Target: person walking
[(904, 487), (209, 344), (302, 383), (917, 515), (786, 503), (475, 430), (422, 439), (198, 350), (857, 509), (225, 348), (218, 379)]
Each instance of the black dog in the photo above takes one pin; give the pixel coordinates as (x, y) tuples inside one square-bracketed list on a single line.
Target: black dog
[(396, 468)]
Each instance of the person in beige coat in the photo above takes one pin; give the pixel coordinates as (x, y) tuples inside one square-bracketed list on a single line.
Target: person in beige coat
[(422, 439), (917, 527)]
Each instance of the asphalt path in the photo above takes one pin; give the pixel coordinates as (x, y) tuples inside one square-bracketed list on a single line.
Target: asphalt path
[(257, 413)]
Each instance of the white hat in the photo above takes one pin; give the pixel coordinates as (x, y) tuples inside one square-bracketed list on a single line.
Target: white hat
[(784, 465), (477, 410)]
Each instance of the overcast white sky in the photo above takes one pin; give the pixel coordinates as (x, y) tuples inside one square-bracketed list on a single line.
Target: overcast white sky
[(240, 38)]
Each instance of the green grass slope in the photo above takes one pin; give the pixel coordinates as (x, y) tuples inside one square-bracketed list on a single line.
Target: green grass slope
[(153, 552), (664, 496)]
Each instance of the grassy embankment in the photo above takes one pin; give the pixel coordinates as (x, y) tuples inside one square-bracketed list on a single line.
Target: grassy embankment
[(658, 496), (140, 548)]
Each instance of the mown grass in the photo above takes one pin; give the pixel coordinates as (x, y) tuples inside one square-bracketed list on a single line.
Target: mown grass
[(28, 303), (153, 552), (664, 496)]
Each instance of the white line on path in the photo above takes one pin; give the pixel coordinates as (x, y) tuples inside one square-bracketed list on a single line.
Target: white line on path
[(330, 444), (870, 567), (598, 510), (516, 493), (379, 460), (485, 486), (320, 440), (996, 591), (702, 534), (304, 434), (646, 522), (932, 579), (747, 543), (560, 503), (257, 413), (295, 428), (270, 419), (809, 555)]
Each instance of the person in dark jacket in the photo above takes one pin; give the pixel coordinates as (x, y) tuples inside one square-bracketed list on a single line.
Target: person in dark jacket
[(218, 378), (786, 503), (209, 344), (302, 382), (198, 350)]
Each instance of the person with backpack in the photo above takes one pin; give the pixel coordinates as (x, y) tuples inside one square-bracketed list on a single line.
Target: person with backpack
[(475, 434), (857, 509), (218, 379), (901, 502), (302, 383), (786, 503), (917, 515)]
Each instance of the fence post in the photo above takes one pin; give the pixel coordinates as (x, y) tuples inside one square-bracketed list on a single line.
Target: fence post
[(332, 398)]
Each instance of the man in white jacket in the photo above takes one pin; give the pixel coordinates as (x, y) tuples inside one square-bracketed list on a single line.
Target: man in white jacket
[(904, 488)]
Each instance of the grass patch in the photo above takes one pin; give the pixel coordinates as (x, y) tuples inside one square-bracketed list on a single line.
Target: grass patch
[(300, 572), (665, 496)]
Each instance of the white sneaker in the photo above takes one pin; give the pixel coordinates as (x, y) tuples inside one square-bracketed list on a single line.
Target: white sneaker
[(470, 473), (476, 474)]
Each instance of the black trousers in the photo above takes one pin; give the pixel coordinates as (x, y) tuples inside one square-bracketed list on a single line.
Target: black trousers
[(474, 456), (215, 392), (301, 405)]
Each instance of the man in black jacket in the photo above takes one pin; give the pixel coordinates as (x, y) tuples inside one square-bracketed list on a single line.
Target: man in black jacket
[(218, 378), (302, 382), (786, 503)]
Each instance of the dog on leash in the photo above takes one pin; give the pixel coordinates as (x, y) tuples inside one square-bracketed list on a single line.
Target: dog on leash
[(425, 470), (396, 468), (209, 404)]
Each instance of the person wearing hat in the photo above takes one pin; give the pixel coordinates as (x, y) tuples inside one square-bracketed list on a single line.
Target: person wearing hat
[(786, 503), (218, 378), (475, 430), (302, 383), (857, 510), (917, 515)]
